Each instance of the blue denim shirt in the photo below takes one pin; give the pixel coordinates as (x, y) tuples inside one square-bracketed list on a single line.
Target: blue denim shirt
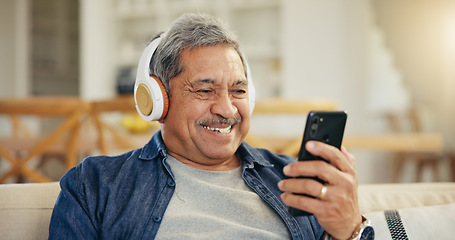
[(125, 196)]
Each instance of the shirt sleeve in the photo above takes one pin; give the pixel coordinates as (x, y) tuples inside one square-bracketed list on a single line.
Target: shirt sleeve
[(71, 218)]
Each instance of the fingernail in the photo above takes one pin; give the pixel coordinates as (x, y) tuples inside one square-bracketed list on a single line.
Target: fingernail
[(286, 170), (310, 145), (280, 184)]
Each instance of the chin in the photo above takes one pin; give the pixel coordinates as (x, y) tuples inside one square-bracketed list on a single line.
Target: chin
[(221, 153)]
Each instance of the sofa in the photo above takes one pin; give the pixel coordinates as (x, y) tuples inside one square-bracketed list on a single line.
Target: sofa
[(427, 210)]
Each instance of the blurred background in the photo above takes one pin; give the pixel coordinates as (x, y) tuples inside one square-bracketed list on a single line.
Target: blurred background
[(390, 64)]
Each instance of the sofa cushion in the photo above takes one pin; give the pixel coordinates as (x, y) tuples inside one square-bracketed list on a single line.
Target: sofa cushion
[(380, 197), (430, 222), (25, 209)]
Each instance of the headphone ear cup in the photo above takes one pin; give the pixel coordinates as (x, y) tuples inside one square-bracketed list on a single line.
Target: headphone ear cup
[(144, 100), (152, 102), (164, 97)]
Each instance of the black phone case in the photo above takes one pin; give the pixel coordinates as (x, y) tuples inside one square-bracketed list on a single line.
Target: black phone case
[(326, 127)]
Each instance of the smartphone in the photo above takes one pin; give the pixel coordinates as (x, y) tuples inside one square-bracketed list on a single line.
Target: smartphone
[(324, 126)]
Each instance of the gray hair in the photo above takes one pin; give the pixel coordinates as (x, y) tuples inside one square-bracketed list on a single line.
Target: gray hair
[(188, 32)]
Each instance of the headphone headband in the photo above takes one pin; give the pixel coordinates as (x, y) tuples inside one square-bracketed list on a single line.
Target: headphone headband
[(251, 89), (149, 93)]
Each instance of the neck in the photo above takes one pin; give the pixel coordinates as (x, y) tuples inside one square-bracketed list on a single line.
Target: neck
[(210, 165)]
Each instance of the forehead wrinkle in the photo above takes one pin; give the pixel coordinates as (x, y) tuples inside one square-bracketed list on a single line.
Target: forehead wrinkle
[(207, 81), (203, 81)]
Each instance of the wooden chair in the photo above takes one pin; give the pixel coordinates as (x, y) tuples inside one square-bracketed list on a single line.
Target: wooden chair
[(109, 138), (21, 147), (420, 158)]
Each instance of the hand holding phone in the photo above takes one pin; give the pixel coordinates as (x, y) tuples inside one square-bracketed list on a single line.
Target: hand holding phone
[(327, 127)]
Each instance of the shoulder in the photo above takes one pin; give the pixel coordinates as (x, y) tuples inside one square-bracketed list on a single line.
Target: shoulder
[(98, 180), (105, 169), (94, 170), (105, 166)]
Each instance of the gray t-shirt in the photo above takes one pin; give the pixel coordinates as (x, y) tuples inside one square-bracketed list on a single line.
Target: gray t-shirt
[(217, 205)]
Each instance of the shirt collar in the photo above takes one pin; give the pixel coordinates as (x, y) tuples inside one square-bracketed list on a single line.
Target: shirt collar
[(154, 148), (246, 153), (250, 156)]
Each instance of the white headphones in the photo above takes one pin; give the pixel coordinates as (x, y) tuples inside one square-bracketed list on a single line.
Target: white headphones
[(152, 102)]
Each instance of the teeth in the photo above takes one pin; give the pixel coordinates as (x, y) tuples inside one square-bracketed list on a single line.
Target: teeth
[(220, 130)]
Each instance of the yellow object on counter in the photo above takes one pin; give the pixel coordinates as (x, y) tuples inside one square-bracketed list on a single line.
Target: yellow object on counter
[(135, 124)]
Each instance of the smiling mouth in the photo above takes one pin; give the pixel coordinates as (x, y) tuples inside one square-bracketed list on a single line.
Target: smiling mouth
[(220, 122), (220, 130)]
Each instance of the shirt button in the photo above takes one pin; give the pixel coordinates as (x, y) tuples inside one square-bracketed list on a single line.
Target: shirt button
[(171, 183), (156, 218)]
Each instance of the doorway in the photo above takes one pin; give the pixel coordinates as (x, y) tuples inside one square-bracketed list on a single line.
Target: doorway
[(55, 47)]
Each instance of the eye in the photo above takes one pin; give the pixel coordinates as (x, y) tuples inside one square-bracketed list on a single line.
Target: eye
[(204, 91), (239, 92)]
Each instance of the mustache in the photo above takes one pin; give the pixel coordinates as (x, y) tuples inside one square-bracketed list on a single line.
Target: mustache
[(221, 120)]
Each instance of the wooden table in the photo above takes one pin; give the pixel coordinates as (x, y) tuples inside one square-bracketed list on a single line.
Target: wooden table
[(398, 143), (292, 106), (421, 148), (281, 106), (404, 142)]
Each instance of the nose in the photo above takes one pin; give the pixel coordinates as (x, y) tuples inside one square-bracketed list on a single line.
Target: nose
[(224, 106)]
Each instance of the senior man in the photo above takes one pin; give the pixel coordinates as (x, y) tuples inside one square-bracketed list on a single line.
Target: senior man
[(196, 178)]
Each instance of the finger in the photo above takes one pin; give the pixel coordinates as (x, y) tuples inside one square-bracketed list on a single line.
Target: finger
[(333, 203), (307, 186), (349, 156), (331, 154), (312, 169), (341, 181), (309, 204)]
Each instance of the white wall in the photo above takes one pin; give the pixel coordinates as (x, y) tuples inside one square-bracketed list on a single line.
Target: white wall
[(14, 48), (327, 54), (97, 39), (422, 35), (324, 47)]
